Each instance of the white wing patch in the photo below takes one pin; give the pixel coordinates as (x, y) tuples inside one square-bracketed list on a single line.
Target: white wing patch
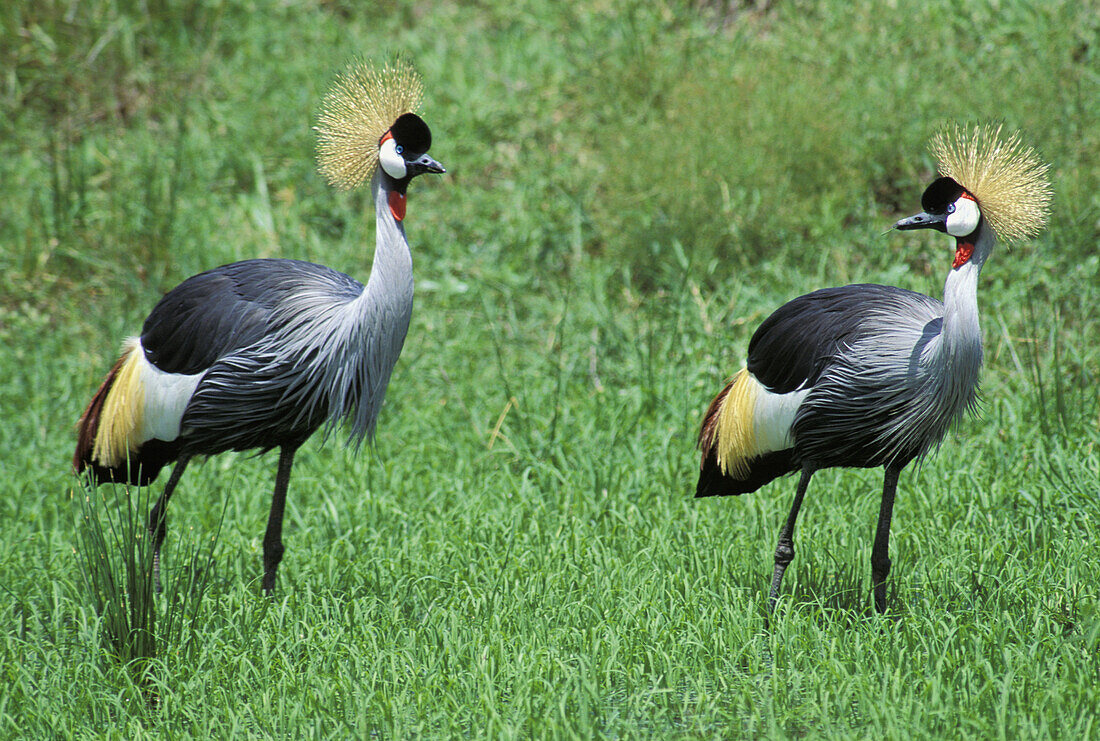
[(166, 396), (753, 421), (773, 417)]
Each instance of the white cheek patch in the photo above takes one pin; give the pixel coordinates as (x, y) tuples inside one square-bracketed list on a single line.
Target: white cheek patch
[(166, 396), (965, 219), (392, 162)]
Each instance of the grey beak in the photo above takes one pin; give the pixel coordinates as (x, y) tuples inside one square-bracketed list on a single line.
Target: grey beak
[(424, 163), (924, 220)]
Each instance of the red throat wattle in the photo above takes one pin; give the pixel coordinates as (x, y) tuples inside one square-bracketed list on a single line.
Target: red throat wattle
[(397, 206), (963, 252)]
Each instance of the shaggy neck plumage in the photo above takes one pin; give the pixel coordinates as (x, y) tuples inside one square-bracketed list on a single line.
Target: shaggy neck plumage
[(387, 300)]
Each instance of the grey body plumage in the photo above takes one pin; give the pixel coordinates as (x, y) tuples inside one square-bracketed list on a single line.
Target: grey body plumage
[(884, 371)]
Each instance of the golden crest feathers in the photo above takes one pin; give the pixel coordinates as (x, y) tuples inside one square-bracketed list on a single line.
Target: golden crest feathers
[(1008, 179), (360, 106)]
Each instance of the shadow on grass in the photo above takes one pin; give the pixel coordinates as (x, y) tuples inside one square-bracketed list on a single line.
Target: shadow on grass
[(834, 593)]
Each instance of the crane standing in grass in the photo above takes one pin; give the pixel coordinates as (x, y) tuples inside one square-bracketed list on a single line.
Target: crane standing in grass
[(868, 375), (259, 354)]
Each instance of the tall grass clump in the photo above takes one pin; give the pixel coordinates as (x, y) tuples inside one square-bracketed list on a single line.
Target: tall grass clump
[(1062, 366), (138, 626)]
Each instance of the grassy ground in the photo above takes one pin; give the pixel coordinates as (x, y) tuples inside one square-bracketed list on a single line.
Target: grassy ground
[(632, 188)]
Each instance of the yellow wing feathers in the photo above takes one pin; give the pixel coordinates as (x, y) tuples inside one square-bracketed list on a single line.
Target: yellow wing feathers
[(746, 421), (122, 416), (735, 432)]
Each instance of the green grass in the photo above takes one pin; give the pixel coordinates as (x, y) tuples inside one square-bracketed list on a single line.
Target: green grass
[(632, 188)]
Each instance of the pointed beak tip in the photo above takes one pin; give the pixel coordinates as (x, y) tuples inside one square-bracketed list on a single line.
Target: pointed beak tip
[(922, 220)]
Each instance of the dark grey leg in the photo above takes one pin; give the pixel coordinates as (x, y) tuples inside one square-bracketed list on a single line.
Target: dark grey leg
[(273, 538), (158, 517), (784, 550), (880, 552)]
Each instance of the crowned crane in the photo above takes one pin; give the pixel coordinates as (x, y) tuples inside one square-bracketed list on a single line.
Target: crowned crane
[(259, 354), (866, 375)]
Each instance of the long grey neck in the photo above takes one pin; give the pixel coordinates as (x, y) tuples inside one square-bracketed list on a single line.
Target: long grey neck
[(349, 348), (391, 279), (384, 310), (960, 293), (960, 346)]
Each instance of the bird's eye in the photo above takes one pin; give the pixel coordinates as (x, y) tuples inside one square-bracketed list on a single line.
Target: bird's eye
[(950, 206), (399, 149)]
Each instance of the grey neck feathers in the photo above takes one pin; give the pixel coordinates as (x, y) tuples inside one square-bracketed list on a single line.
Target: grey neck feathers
[(391, 280), (330, 360), (381, 320), (959, 350), (961, 332), (385, 308)]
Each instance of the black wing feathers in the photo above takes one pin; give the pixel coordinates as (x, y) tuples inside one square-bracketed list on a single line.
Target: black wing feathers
[(214, 313), (793, 346), (762, 470), (199, 321)]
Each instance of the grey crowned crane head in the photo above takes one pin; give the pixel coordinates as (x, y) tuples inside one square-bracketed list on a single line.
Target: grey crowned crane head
[(403, 151), (949, 208), (986, 179), (367, 119)]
